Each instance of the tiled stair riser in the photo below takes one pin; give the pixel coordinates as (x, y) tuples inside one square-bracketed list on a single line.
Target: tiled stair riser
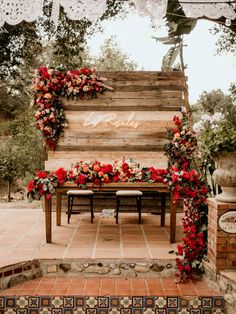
[(111, 305), (11, 275)]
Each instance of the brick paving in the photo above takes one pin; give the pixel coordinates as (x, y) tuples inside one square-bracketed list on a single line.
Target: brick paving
[(110, 286), (22, 237)]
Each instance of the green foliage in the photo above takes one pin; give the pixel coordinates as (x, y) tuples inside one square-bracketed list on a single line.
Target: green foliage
[(216, 101), (112, 58), (216, 134), (11, 103), (176, 21), (19, 45), (226, 42), (20, 148)]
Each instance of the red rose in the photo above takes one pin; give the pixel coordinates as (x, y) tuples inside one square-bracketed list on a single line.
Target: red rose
[(188, 268), (180, 249), (82, 179), (41, 174), (31, 186), (61, 175), (106, 180), (107, 169), (96, 182), (116, 178)]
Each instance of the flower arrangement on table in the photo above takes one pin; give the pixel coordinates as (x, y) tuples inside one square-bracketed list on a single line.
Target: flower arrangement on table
[(127, 171), (49, 85), (41, 185), (95, 172)]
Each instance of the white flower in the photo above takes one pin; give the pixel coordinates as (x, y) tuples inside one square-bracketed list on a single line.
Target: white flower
[(198, 126), (205, 118), (217, 117)]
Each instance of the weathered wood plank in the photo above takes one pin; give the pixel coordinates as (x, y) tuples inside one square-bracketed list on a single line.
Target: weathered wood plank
[(132, 88), (156, 94), (142, 75), (114, 134), (105, 148), (162, 104), (164, 82), (65, 159), (110, 142)]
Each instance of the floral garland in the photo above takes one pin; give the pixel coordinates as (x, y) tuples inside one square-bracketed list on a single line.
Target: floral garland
[(49, 86), (186, 182), (94, 172)]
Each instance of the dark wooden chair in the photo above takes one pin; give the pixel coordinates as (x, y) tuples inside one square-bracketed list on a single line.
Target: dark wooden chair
[(125, 194), (79, 194)]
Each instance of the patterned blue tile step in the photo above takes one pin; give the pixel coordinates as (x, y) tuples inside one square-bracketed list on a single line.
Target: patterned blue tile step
[(110, 305)]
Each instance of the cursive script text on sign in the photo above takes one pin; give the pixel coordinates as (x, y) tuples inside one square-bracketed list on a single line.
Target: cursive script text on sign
[(111, 119)]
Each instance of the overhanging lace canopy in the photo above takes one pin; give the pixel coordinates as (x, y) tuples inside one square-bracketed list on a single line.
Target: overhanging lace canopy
[(15, 11), (208, 8)]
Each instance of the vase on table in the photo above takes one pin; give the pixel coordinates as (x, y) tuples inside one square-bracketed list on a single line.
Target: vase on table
[(225, 176)]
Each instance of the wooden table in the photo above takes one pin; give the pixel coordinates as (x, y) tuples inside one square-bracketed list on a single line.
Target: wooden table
[(143, 186)]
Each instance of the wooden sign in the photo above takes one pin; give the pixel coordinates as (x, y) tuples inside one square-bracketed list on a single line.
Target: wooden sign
[(129, 122)]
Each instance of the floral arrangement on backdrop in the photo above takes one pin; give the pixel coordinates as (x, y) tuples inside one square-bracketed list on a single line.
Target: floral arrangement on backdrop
[(49, 85), (188, 183)]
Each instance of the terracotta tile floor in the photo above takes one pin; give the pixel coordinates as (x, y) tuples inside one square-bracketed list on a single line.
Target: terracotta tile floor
[(110, 286), (22, 236)]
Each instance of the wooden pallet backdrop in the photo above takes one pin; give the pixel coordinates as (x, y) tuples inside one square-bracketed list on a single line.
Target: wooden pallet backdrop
[(128, 122)]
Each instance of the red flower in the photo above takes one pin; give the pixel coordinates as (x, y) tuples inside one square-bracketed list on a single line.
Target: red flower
[(180, 249), (188, 268), (41, 174), (177, 121), (61, 175), (97, 181), (82, 179), (116, 178), (31, 186), (107, 169)]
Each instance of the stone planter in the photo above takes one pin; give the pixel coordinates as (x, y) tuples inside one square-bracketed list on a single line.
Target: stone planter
[(225, 177)]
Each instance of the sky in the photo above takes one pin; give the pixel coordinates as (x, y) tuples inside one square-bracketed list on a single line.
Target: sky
[(206, 70)]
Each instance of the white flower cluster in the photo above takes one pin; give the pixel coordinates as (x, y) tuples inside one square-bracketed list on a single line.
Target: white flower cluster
[(208, 121)]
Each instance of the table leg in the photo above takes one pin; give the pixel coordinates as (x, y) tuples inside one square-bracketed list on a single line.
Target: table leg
[(58, 207), (48, 220), (163, 209), (172, 219)]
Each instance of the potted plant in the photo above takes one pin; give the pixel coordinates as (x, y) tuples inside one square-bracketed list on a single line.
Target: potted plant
[(217, 139)]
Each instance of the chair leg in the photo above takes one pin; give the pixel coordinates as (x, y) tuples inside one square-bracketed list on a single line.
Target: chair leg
[(139, 208), (91, 205), (68, 210), (118, 200)]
